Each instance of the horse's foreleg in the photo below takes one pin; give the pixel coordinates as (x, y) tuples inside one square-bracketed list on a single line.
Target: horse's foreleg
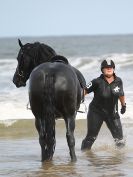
[(70, 126)]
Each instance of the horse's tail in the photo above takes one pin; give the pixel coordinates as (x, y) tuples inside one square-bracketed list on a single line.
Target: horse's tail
[(49, 114)]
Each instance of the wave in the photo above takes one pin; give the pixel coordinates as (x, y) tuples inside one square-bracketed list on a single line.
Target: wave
[(93, 62), (82, 63), (13, 101), (8, 118)]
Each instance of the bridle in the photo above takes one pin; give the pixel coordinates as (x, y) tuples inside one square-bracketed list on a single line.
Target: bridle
[(20, 72)]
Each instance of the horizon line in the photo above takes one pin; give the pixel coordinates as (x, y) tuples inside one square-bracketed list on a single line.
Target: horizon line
[(65, 35)]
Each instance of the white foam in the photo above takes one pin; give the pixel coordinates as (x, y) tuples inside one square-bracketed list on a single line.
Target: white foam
[(7, 122), (13, 100), (10, 111)]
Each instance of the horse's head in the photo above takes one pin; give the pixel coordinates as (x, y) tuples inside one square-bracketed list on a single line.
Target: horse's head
[(25, 64), (30, 55)]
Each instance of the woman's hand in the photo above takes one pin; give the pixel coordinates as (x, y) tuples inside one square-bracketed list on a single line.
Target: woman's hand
[(123, 109)]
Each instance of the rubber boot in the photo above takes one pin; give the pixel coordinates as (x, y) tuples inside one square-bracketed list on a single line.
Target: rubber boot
[(119, 143), (87, 143)]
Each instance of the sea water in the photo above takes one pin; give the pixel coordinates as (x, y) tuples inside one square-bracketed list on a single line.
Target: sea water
[(19, 146)]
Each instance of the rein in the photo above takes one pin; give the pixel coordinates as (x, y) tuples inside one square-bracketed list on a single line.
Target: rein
[(85, 107)]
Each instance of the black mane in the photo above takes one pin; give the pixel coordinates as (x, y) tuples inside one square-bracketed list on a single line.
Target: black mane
[(38, 52)]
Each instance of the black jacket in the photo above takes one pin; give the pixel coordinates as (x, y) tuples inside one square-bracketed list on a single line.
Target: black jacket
[(105, 95)]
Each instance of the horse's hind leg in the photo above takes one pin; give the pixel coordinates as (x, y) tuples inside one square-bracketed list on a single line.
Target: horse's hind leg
[(42, 139), (46, 138), (70, 127)]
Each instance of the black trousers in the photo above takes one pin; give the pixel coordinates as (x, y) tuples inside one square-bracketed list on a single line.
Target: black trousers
[(95, 120)]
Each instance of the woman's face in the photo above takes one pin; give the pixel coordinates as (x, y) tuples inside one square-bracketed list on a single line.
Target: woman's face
[(108, 72)]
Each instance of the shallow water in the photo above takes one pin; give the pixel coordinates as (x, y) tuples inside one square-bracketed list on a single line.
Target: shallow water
[(20, 153)]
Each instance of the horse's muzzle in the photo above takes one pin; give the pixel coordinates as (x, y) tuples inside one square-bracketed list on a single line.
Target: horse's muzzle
[(19, 83)]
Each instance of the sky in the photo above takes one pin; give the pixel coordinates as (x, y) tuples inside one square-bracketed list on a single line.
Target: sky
[(65, 17)]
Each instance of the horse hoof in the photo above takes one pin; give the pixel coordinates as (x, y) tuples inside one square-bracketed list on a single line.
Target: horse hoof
[(120, 143)]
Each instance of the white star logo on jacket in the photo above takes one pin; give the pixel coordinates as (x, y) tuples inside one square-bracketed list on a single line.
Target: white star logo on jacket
[(89, 85), (116, 89)]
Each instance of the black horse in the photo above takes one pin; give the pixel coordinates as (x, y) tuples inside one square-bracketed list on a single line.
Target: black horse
[(54, 90)]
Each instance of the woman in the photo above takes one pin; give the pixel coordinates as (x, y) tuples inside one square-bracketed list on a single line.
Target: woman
[(107, 88)]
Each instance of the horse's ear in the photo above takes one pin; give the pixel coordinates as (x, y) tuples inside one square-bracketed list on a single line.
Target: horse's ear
[(20, 43)]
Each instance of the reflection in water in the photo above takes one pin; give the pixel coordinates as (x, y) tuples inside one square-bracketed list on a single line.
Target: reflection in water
[(107, 163), (96, 164), (52, 169)]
